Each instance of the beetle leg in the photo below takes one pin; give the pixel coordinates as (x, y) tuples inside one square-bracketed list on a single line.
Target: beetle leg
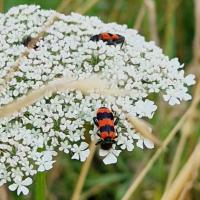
[(110, 42), (122, 44), (116, 137), (116, 121), (96, 121), (98, 133)]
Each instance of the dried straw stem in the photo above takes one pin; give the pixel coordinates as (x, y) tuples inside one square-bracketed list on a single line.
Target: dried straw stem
[(31, 44), (139, 18), (86, 86), (150, 5), (186, 131), (143, 128), (92, 191), (4, 193), (196, 43), (188, 172), (83, 174), (136, 181)]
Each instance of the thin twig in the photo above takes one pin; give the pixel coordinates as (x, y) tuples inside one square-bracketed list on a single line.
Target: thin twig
[(136, 181), (87, 6), (83, 174)]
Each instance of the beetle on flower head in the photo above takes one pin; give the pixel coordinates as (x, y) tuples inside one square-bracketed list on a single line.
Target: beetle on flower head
[(105, 123), (109, 38)]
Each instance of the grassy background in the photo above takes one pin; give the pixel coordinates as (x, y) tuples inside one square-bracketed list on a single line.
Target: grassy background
[(172, 25)]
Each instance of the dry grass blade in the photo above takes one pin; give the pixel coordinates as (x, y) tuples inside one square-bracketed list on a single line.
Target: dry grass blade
[(196, 44), (63, 5), (186, 131), (86, 86), (136, 182), (143, 128), (186, 174), (139, 18), (92, 191), (3, 193), (150, 4), (87, 6), (84, 171), (187, 128), (1, 5)]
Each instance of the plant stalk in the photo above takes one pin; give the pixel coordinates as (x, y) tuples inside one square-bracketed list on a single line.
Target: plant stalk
[(40, 186)]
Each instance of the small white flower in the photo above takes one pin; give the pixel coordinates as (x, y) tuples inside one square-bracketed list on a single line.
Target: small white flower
[(144, 142), (125, 143), (189, 79), (20, 185), (80, 152), (145, 108), (110, 156), (44, 161), (65, 146)]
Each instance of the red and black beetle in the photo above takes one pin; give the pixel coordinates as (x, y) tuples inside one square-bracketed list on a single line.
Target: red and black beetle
[(106, 126), (109, 38)]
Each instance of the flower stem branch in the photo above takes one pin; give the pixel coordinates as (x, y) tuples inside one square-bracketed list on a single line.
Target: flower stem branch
[(40, 186), (83, 173)]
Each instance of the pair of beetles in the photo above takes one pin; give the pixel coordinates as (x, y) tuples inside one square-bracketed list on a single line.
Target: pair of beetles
[(104, 119)]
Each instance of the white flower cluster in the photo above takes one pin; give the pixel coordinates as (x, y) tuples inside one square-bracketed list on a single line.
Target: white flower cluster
[(30, 138)]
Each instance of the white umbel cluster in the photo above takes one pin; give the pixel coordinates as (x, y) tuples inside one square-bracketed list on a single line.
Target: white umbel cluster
[(49, 94)]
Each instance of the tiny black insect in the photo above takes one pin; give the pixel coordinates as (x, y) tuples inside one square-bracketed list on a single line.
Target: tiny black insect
[(26, 42)]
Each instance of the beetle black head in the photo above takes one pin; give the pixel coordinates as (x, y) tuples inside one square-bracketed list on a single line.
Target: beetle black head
[(95, 38), (107, 143)]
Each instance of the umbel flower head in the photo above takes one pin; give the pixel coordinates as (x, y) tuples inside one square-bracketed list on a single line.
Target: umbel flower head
[(53, 79)]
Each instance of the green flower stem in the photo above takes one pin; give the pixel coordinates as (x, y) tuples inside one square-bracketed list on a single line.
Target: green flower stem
[(40, 186)]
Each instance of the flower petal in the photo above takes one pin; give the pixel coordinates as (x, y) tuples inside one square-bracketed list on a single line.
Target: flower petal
[(13, 187), (110, 159), (148, 143)]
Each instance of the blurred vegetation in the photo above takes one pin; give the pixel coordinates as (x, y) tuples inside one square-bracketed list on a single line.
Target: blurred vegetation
[(173, 29)]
